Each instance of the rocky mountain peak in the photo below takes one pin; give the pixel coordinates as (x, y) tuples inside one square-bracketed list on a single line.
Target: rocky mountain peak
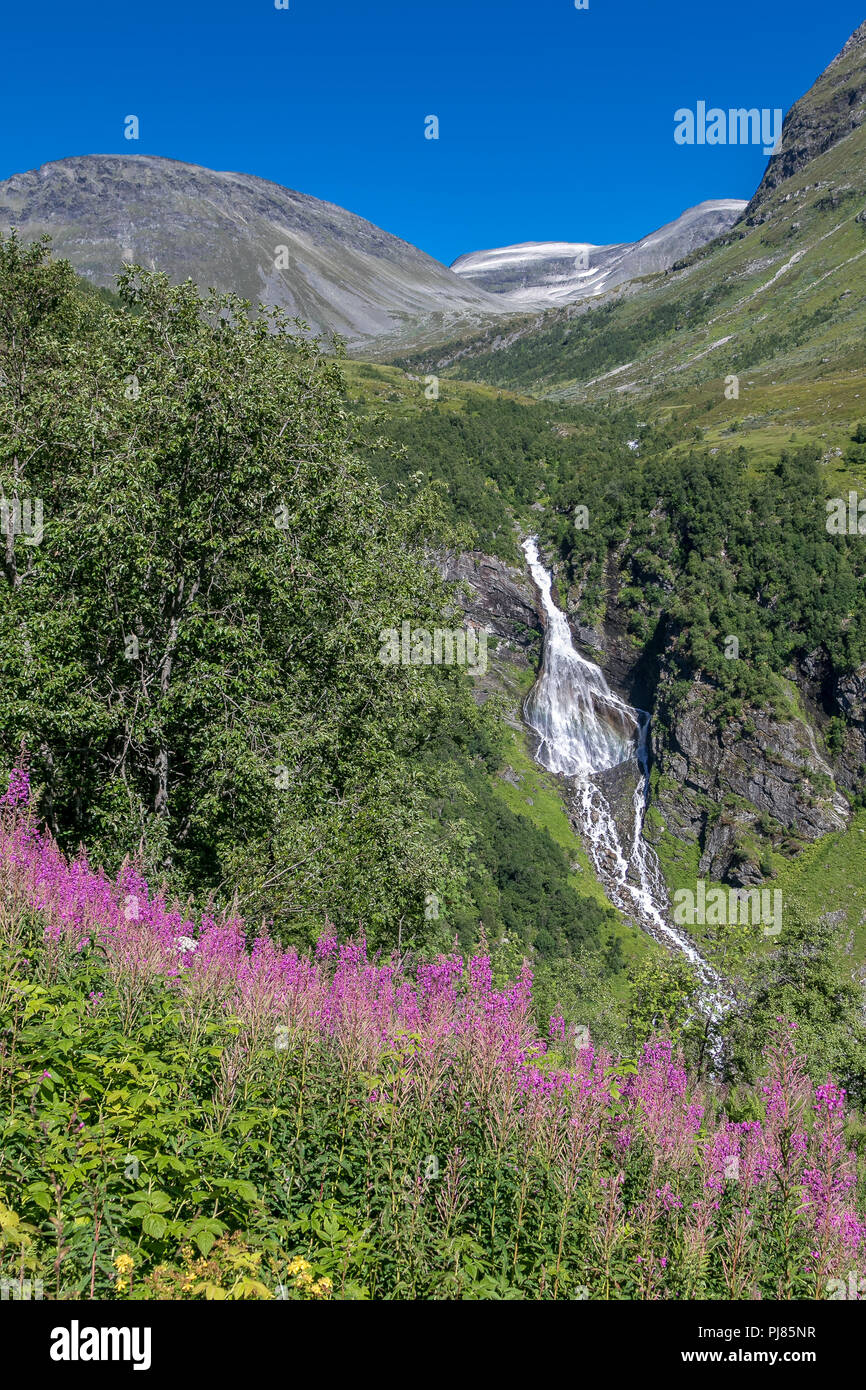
[(832, 109), (333, 269)]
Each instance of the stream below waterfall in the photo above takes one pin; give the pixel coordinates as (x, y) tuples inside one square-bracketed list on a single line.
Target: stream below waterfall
[(585, 731)]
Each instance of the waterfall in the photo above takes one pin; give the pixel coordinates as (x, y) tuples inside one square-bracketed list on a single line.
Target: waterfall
[(584, 730)]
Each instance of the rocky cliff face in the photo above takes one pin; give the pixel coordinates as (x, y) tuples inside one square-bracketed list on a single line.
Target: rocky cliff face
[(498, 597), (738, 785), (850, 761), (630, 670), (833, 108), (840, 698)]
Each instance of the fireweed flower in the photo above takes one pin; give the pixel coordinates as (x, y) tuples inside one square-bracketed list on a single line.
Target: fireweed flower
[(460, 1040), (18, 791), (670, 1200)]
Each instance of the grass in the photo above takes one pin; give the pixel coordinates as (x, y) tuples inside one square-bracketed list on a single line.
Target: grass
[(828, 876), (770, 416), (373, 385), (825, 877), (781, 304)]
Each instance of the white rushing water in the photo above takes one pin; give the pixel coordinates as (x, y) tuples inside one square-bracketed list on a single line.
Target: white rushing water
[(585, 729)]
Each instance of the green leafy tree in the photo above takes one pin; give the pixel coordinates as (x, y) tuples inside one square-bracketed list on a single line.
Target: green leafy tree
[(810, 980), (664, 999), (192, 650)]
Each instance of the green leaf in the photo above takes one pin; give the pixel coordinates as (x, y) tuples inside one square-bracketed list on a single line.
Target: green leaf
[(204, 1240), (40, 1193)]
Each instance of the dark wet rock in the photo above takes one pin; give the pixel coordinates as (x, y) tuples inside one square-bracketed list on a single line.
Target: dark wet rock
[(498, 597), (733, 784), (828, 695), (850, 695)]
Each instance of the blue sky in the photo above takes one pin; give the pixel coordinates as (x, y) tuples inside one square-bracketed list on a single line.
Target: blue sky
[(554, 123)]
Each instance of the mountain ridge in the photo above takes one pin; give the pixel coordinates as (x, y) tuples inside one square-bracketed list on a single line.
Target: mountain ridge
[(781, 296), (832, 109), (536, 275), (336, 271)]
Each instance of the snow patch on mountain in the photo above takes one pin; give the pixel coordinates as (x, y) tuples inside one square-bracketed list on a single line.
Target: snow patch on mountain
[(542, 274)]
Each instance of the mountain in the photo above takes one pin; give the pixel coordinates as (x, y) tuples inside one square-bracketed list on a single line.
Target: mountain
[(739, 375), (334, 270), (829, 112), (337, 271), (780, 296), (539, 274)]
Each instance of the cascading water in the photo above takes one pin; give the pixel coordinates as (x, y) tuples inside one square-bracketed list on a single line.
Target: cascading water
[(585, 730)]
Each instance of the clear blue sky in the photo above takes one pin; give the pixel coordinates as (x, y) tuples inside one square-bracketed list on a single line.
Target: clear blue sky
[(554, 123)]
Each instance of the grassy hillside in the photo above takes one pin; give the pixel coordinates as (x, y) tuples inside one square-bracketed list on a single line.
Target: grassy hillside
[(741, 375), (777, 303), (498, 454)]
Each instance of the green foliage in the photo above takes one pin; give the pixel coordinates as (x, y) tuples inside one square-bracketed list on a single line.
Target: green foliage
[(192, 651), (533, 901), (578, 989), (576, 343), (708, 550), (808, 978), (496, 456), (184, 1158), (484, 455), (664, 1000)]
